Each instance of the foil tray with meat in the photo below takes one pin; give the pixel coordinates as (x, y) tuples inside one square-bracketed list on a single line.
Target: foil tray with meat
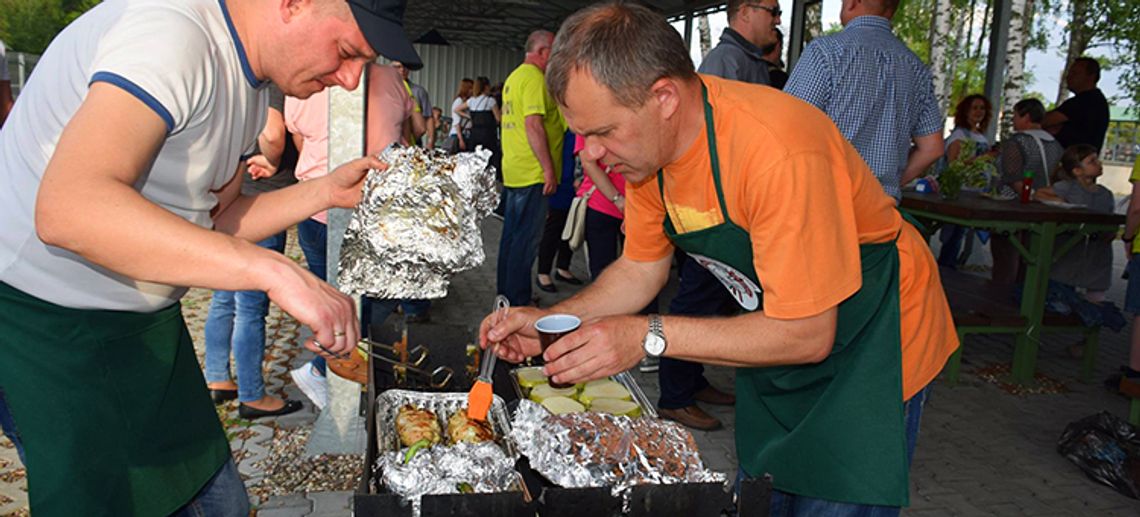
[(594, 449), (427, 445)]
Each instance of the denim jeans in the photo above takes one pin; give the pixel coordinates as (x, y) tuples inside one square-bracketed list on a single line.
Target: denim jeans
[(699, 294), (8, 426), (784, 504), (223, 495), (236, 322), (313, 236), (522, 225)]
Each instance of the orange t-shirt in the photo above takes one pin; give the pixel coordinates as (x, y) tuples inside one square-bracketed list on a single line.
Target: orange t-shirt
[(808, 201)]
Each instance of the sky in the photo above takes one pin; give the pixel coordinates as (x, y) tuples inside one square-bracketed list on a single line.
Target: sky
[(1046, 65)]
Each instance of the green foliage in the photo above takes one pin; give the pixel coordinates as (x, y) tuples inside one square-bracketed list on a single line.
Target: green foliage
[(965, 171), (29, 25)]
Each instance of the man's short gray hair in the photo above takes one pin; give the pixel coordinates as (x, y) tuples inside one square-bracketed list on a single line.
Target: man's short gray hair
[(626, 47), (538, 39)]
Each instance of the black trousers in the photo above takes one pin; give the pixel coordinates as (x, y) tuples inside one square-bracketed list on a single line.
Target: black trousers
[(552, 244)]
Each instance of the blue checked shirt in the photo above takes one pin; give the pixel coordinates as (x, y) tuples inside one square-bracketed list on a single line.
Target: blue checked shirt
[(878, 92)]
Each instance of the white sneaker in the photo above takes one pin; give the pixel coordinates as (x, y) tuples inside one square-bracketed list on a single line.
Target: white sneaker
[(312, 384)]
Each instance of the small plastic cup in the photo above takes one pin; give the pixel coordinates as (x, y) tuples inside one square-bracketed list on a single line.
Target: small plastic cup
[(551, 328)]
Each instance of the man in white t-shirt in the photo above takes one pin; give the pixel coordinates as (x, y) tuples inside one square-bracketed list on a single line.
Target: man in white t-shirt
[(5, 85), (120, 176)]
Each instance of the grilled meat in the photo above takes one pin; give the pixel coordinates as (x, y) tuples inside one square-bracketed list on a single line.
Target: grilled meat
[(415, 424), (463, 429)]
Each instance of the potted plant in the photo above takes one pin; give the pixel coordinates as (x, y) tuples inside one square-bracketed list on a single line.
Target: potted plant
[(965, 171)]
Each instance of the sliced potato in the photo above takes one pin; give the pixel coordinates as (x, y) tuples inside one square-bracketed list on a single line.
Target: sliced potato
[(562, 405), (530, 377), (616, 407), (603, 389), (544, 391)]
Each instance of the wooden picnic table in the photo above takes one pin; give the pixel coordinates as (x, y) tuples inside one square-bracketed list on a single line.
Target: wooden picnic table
[(1042, 223)]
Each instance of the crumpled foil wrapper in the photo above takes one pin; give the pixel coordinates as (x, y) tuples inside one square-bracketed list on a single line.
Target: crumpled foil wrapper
[(487, 467), (595, 449), (417, 223), (440, 470)]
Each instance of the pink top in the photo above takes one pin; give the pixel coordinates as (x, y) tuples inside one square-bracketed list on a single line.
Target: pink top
[(388, 107), (309, 118), (598, 201)]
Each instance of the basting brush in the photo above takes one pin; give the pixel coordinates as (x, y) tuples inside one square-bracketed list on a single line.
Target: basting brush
[(479, 399)]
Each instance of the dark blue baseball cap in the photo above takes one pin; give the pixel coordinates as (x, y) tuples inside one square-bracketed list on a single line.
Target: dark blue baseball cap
[(382, 22)]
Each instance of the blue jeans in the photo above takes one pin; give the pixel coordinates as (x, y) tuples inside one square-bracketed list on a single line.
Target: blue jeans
[(313, 236), (784, 504), (236, 322), (699, 294), (522, 225), (223, 495), (8, 426)]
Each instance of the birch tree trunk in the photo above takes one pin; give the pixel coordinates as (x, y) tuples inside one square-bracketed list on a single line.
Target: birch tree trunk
[(955, 51), (1014, 86), (813, 22), (1079, 36), (705, 35), (939, 50)]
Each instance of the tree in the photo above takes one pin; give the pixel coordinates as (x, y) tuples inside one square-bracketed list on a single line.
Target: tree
[(941, 67), (29, 25), (705, 35), (1014, 86), (1104, 24)]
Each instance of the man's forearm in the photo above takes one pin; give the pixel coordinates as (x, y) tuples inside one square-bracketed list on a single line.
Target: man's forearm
[(624, 287), (750, 340), (536, 137), (927, 150), (254, 218)]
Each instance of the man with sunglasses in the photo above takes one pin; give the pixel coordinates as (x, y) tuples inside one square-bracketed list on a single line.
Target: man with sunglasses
[(878, 92), (751, 31)]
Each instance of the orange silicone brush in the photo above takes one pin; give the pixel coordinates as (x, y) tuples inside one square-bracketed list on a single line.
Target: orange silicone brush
[(479, 399)]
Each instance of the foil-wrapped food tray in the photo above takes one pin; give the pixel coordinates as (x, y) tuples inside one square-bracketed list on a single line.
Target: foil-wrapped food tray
[(648, 409), (388, 404), (485, 467), (589, 449)]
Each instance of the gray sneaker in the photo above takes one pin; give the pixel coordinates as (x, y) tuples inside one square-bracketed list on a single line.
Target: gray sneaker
[(649, 365)]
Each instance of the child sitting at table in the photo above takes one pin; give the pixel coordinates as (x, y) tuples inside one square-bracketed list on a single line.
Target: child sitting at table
[(1088, 265)]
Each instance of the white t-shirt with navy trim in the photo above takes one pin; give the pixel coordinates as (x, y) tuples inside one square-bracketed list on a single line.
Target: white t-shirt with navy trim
[(181, 58)]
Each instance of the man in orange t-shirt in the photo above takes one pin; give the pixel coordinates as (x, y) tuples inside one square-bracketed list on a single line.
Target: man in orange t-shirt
[(846, 322)]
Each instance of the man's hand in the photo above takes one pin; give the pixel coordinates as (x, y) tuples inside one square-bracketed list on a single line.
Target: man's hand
[(330, 313), (1127, 251), (260, 167), (549, 185), (515, 335), (345, 183), (598, 349)]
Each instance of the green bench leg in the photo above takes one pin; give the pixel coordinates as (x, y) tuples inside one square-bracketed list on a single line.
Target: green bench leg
[(954, 365), (1092, 340), (1134, 415)]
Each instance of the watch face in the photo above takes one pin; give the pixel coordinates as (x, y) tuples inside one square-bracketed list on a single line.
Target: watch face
[(654, 344)]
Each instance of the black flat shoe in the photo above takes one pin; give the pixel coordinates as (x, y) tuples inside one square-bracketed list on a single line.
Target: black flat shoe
[(223, 396), (250, 413), (550, 288), (572, 280)]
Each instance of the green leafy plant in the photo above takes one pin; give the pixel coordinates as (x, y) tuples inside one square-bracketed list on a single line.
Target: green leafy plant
[(967, 170)]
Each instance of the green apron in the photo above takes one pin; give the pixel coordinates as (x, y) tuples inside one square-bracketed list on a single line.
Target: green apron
[(832, 430), (111, 407)]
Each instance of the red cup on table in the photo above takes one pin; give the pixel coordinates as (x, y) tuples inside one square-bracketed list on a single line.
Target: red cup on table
[(551, 328)]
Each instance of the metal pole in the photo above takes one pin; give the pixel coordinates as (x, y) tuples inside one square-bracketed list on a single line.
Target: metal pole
[(689, 29), (798, 28), (995, 64)]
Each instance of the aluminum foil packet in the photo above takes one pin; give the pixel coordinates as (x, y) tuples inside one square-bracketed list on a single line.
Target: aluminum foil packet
[(462, 468), (417, 223), (591, 449)]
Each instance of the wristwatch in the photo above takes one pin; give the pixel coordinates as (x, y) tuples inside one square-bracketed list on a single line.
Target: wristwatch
[(654, 343)]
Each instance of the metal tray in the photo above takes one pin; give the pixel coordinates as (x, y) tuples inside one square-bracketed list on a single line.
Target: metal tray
[(443, 405), (623, 378)]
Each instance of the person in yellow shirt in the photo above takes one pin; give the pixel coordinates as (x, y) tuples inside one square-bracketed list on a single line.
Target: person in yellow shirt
[(532, 130), (1132, 296), (845, 322)]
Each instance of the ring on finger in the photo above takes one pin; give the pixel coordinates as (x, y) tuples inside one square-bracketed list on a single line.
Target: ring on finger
[(338, 333)]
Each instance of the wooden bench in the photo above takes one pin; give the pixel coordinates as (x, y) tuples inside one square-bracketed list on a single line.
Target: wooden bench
[(981, 307)]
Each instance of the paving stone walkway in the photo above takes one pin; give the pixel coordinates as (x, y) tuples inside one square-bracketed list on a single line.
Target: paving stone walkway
[(982, 451)]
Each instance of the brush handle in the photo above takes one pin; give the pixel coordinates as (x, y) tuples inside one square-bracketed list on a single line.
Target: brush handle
[(487, 367)]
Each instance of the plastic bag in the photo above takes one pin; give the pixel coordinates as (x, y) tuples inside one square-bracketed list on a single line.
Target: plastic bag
[(1107, 449)]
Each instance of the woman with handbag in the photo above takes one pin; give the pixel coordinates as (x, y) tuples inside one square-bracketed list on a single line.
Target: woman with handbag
[(460, 119)]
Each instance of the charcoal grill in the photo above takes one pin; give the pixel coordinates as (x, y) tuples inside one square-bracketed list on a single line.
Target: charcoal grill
[(447, 346)]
